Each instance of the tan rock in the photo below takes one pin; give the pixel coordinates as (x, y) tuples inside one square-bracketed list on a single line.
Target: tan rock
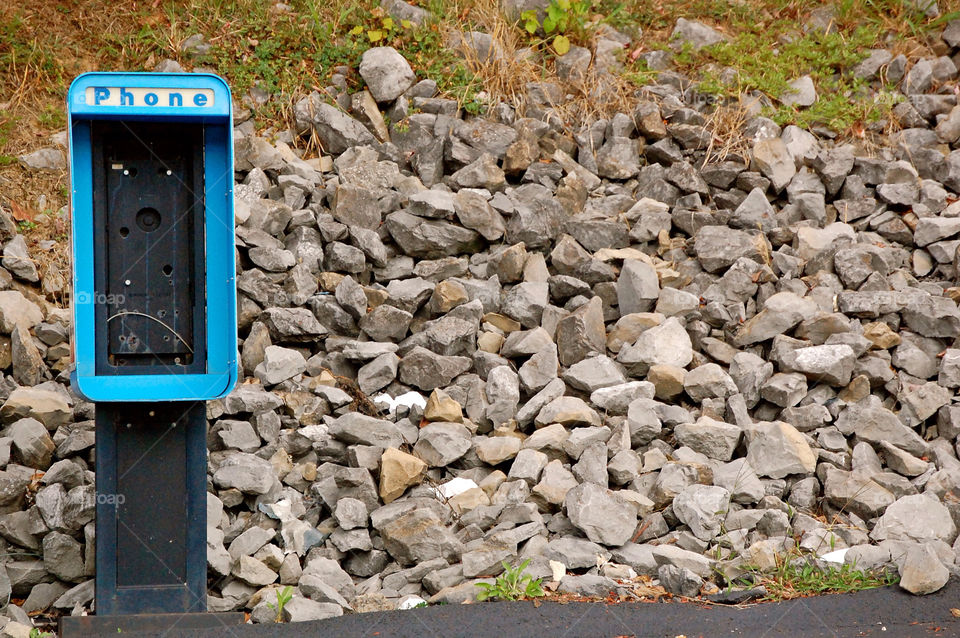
[(667, 379), (281, 462), (329, 281), (442, 407), (446, 296), (501, 322), (631, 326), (497, 449), (487, 341), (857, 389), (508, 264), (492, 481), (398, 471), (47, 406), (325, 378), (881, 335), (468, 500), (375, 296)]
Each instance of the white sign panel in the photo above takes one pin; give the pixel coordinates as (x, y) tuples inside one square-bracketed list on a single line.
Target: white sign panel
[(146, 97)]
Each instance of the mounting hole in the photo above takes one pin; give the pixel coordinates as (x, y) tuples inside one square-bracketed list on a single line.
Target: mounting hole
[(124, 231), (148, 219), (130, 172), (167, 270), (164, 171)]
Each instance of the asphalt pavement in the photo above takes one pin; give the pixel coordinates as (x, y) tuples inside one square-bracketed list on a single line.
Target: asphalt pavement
[(889, 612)]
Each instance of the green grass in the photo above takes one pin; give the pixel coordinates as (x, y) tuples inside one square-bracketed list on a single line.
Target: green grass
[(767, 60), (798, 578)]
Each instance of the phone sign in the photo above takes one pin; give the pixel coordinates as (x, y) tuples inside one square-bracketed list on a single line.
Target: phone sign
[(139, 96)]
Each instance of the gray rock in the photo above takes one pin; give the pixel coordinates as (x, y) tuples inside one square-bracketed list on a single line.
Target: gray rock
[(777, 449), (575, 553), (279, 364), (679, 580), (781, 312), (567, 411), (427, 370), (697, 34), (832, 364), (418, 536), (638, 287), (922, 572), (386, 72), (666, 344), (337, 130), (772, 159), (31, 444), (917, 517), (245, 472), (17, 260), (708, 381), (702, 508), (802, 92), (673, 555), (442, 443), (354, 428), (594, 373), (875, 423), (715, 439), (718, 247), (580, 334), (45, 159), (62, 557), (602, 515)]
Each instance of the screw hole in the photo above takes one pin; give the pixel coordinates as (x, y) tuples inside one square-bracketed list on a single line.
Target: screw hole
[(168, 270), (124, 231)]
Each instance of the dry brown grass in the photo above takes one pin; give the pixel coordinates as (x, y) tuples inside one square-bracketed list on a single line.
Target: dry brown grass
[(504, 76), (726, 128)]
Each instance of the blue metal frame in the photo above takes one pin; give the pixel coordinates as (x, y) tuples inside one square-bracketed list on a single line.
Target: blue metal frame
[(221, 296)]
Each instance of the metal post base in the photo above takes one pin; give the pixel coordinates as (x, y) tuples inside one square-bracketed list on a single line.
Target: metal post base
[(96, 626), (151, 508)]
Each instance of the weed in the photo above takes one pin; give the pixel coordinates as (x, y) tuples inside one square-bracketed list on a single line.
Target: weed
[(797, 575), (794, 579), (283, 597), (512, 584), (767, 60), (562, 20)]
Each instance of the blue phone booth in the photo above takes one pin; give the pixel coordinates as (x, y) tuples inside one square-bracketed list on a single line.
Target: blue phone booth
[(151, 158), (155, 327)]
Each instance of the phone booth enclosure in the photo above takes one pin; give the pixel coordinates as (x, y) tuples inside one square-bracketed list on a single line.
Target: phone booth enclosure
[(152, 200)]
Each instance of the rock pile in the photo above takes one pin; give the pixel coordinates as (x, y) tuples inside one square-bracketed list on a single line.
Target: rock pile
[(468, 341)]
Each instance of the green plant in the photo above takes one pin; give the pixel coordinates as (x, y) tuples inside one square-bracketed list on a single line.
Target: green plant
[(562, 19), (38, 633), (283, 597), (798, 576), (512, 584)]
